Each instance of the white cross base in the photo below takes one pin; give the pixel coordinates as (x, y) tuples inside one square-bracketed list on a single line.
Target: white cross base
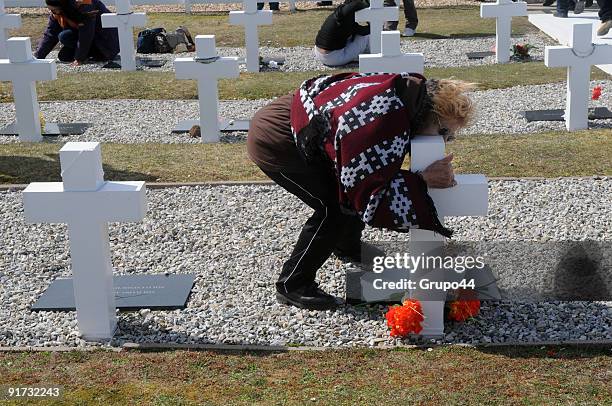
[(503, 11), (391, 59), (125, 21), (250, 18), (207, 71), (7, 22), (87, 203), (23, 71), (468, 198), (578, 58), (377, 14)]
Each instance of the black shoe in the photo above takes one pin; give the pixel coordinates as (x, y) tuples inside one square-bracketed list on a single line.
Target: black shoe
[(324, 3), (589, 3), (548, 3), (309, 297), (559, 15)]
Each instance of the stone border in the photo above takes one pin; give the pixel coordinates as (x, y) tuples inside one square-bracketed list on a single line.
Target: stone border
[(239, 348), (165, 185)]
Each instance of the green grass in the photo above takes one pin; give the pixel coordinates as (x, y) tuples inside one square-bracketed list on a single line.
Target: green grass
[(449, 375), (553, 154), (300, 28), (164, 85)]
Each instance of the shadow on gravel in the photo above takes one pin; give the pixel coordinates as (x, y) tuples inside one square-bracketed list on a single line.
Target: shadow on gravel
[(24, 169)]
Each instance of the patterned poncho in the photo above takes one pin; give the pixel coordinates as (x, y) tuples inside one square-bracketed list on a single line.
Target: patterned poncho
[(359, 122)]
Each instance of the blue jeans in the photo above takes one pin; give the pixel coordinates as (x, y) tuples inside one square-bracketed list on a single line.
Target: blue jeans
[(564, 6), (69, 39)]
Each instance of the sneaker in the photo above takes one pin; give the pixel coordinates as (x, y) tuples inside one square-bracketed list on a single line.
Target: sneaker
[(579, 7), (604, 27), (408, 32), (559, 15), (309, 297)]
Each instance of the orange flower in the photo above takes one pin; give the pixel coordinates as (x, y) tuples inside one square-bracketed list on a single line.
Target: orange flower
[(461, 310), (405, 319), (596, 93)]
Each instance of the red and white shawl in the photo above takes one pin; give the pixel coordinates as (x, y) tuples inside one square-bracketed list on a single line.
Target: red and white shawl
[(358, 122)]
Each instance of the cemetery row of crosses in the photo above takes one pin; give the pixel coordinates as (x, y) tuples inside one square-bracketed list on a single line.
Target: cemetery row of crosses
[(87, 203)]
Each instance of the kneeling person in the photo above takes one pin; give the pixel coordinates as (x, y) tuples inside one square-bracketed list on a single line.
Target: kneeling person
[(77, 25), (340, 39)]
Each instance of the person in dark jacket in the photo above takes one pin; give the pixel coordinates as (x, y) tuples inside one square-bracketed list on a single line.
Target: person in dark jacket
[(77, 25), (338, 144), (340, 39)]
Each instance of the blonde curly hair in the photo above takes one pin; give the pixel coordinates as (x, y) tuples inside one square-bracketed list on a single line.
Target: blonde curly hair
[(450, 101)]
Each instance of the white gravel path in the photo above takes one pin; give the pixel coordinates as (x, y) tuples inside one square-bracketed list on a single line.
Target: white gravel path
[(138, 121), (236, 238), (437, 53)]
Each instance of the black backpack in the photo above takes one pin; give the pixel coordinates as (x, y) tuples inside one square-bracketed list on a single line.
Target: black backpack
[(153, 41)]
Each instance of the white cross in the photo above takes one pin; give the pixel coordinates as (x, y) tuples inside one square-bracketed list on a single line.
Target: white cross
[(7, 21), (87, 203), (125, 21), (377, 14), (503, 11), (250, 18), (578, 58), (207, 68), (23, 71), (391, 59), (468, 198)]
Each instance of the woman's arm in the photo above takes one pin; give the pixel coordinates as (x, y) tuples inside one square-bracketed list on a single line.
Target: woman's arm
[(49, 39)]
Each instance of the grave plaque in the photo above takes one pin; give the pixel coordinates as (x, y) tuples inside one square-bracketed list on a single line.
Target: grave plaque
[(597, 113), (132, 292), (479, 55), (52, 129)]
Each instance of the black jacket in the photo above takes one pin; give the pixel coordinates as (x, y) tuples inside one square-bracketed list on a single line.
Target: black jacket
[(341, 25), (91, 34)]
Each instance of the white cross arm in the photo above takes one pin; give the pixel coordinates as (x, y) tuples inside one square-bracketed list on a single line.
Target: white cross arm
[(48, 202), (10, 20), (187, 68), (263, 17), (382, 14), (468, 198), (115, 20), (503, 10), (35, 69), (562, 56), (370, 63)]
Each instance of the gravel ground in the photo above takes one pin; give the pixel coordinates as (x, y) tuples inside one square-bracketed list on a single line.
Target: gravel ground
[(235, 240), (153, 120), (437, 53), (213, 8)]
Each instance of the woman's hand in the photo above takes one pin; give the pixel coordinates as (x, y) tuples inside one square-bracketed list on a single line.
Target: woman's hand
[(75, 63), (440, 174)]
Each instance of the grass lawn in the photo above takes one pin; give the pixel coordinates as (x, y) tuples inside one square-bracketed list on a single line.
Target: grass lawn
[(300, 28), (554, 154), (164, 85), (450, 375)]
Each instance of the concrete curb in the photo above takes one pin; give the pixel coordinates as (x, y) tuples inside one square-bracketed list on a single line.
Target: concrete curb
[(240, 348), (165, 185)]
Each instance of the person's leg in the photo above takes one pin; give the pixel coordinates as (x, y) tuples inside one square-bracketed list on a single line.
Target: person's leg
[(562, 8), (319, 234), (410, 12), (390, 25), (349, 240), (359, 44), (605, 15), (68, 38)]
